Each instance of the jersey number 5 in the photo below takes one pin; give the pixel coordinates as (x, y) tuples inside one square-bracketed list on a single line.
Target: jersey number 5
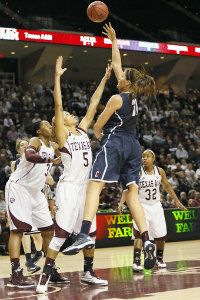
[(86, 163)]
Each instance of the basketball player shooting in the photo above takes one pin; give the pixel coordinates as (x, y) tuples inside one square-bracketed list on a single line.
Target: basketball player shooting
[(119, 157)]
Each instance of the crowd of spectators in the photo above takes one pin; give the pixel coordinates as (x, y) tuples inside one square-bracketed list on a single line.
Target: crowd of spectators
[(169, 125)]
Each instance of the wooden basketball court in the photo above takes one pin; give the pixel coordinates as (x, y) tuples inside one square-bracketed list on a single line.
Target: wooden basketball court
[(181, 279)]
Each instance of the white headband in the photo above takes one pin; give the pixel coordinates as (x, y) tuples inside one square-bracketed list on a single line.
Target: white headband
[(151, 152)]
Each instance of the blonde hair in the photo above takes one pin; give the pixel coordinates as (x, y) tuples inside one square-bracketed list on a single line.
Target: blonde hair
[(18, 143)]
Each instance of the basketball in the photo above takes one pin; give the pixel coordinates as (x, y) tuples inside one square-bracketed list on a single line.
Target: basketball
[(97, 11)]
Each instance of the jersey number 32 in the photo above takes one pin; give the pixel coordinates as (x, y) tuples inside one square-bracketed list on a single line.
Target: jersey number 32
[(151, 194)]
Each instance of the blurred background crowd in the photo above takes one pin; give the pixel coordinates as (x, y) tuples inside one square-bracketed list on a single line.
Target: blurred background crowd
[(169, 125)]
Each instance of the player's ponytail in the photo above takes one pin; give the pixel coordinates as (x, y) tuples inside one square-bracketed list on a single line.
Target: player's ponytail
[(141, 84)]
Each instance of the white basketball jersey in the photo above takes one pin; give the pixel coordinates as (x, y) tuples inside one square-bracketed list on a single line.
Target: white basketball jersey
[(76, 157), (33, 175), (149, 186)]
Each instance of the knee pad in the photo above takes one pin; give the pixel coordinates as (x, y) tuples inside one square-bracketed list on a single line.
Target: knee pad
[(56, 243)]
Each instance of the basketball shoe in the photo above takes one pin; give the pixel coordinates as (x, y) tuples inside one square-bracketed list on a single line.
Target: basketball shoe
[(137, 266), (83, 241), (19, 281), (89, 277), (160, 263), (31, 267), (50, 275), (57, 278), (150, 259)]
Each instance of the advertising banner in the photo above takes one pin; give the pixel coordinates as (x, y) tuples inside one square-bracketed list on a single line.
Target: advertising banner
[(115, 229), (89, 40)]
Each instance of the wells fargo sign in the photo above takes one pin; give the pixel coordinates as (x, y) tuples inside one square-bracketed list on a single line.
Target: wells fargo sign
[(116, 230)]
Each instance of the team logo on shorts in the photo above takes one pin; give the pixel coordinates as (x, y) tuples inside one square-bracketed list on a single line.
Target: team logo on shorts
[(97, 174), (12, 200)]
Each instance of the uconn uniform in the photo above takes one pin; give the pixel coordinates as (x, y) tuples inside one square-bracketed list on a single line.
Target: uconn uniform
[(76, 156), (119, 158), (27, 206), (149, 192)]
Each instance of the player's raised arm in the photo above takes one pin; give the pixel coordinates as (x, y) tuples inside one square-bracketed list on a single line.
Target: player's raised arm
[(116, 57), (59, 117), (113, 104), (168, 188), (87, 120)]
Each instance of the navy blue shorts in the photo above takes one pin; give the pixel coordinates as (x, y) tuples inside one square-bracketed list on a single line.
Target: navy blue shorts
[(118, 160)]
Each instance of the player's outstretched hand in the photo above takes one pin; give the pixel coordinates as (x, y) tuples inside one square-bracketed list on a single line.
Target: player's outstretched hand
[(180, 205), (109, 31), (108, 72), (59, 70)]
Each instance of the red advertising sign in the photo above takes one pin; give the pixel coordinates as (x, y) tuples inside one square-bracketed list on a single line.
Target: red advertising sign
[(114, 229), (82, 39)]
